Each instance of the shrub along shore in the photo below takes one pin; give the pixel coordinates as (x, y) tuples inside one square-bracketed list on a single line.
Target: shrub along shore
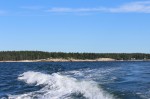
[(40, 56)]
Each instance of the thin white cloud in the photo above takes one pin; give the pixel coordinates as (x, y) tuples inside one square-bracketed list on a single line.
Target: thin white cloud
[(75, 9), (140, 7)]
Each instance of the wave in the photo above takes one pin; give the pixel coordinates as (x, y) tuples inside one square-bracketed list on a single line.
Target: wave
[(58, 86), (101, 75)]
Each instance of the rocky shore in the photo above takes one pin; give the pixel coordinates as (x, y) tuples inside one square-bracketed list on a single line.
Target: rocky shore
[(73, 60)]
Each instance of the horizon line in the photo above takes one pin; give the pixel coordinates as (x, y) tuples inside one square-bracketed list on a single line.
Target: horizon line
[(75, 52)]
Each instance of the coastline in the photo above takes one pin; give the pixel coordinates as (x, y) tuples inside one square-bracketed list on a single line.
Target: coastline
[(64, 60), (73, 60)]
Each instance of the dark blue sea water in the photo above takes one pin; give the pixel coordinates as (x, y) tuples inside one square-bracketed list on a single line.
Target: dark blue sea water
[(75, 80)]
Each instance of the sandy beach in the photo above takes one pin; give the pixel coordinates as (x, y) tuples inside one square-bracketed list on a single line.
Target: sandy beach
[(64, 60)]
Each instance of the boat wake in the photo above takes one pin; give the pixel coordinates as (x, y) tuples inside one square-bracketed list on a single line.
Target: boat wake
[(59, 86)]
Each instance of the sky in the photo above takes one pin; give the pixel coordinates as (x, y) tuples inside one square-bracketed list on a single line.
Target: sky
[(99, 26)]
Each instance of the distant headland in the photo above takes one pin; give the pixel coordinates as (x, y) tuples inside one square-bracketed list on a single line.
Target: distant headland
[(41, 56)]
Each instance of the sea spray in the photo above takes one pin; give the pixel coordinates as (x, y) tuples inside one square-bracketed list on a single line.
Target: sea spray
[(58, 86)]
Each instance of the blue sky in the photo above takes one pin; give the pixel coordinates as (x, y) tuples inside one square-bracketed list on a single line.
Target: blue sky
[(99, 26)]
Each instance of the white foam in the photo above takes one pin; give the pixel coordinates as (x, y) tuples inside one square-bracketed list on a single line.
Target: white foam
[(94, 74), (57, 86)]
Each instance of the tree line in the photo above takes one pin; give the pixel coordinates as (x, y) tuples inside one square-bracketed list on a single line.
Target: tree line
[(34, 55)]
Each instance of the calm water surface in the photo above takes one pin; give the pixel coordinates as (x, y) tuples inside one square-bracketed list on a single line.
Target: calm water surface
[(75, 80)]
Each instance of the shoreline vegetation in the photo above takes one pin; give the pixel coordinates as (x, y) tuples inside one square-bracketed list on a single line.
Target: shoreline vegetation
[(40, 56)]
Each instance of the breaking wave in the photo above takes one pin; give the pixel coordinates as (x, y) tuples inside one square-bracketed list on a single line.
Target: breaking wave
[(59, 86)]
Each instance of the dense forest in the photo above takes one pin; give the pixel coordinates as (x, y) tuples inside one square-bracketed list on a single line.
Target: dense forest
[(34, 55)]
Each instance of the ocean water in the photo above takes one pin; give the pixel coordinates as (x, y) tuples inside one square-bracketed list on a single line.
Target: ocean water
[(75, 80)]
